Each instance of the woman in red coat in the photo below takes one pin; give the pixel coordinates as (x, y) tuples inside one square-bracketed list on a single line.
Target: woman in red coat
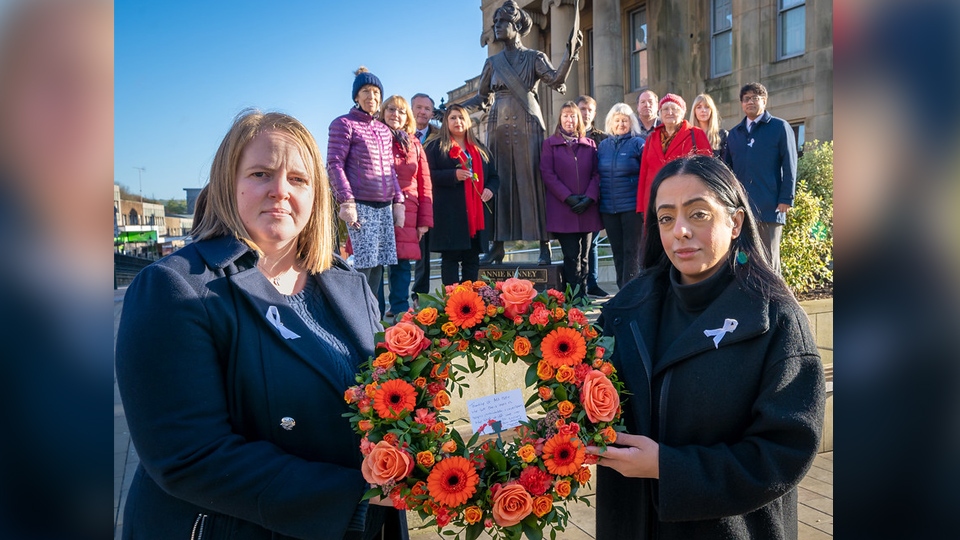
[(674, 138), (413, 173)]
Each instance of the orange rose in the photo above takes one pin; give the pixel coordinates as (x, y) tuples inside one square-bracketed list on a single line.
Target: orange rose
[(427, 316), (599, 398), (390, 438), (565, 408), (449, 328), (546, 393), (439, 428), (472, 514), (386, 360), (420, 488), (562, 488), (426, 458), (462, 345), (517, 295), (542, 505), (590, 332), (609, 435), (491, 310), (365, 425), (544, 370), (437, 373), (511, 505), (565, 374), (420, 382), (449, 447), (521, 346), (494, 332), (405, 339), (607, 369), (558, 313), (582, 476), (370, 390), (441, 400), (386, 463), (527, 453)]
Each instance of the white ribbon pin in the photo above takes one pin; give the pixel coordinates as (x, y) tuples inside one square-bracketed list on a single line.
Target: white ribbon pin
[(273, 315), (729, 325)]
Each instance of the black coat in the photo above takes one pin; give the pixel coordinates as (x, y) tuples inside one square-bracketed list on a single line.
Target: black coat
[(739, 425), (450, 231), (205, 381)]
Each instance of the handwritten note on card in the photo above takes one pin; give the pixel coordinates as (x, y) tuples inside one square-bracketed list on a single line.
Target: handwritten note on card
[(505, 407)]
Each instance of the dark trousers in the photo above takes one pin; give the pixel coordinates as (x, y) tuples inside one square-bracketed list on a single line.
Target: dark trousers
[(421, 273), (770, 239), (461, 265), (623, 231), (593, 261), (575, 247), (374, 277)]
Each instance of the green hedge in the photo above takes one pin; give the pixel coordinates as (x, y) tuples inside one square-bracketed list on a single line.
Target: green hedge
[(806, 249)]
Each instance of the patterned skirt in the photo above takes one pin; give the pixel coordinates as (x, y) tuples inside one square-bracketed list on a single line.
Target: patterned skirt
[(374, 244)]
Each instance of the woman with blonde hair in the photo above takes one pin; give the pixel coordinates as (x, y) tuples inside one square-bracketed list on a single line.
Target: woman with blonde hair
[(413, 173), (704, 115), (464, 181), (238, 419)]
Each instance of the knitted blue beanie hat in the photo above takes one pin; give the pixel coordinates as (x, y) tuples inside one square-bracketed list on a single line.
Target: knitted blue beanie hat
[(364, 77)]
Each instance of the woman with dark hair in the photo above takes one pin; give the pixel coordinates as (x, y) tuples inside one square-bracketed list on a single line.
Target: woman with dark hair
[(728, 390), (464, 181), (569, 169)]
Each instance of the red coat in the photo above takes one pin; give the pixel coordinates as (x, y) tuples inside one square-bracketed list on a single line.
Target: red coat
[(654, 159), (413, 172)]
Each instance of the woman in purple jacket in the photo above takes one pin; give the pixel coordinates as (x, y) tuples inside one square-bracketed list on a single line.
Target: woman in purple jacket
[(568, 165), (364, 182)]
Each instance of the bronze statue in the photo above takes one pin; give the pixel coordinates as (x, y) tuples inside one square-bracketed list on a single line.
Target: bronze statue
[(515, 132)]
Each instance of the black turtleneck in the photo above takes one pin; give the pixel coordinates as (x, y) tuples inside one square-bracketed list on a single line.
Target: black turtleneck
[(682, 304)]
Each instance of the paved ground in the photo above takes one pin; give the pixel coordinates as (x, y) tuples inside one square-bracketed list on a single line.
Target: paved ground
[(815, 493)]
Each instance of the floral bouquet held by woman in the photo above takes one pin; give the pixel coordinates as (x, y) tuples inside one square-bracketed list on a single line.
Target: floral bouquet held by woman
[(508, 488)]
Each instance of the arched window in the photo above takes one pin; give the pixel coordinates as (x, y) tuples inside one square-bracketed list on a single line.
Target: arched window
[(134, 217)]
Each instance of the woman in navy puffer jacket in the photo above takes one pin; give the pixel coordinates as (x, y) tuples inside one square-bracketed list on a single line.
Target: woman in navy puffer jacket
[(619, 164)]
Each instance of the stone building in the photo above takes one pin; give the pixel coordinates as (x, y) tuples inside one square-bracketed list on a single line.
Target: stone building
[(687, 47)]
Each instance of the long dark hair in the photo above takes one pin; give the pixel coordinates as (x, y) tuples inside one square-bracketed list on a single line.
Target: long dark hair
[(755, 274)]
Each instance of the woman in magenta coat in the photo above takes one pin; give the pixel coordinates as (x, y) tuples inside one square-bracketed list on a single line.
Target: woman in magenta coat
[(674, 138), (568, 166)]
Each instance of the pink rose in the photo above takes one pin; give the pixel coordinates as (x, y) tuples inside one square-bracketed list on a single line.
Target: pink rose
[(386, 463), (516, 294), (404, 339), (599, 397)]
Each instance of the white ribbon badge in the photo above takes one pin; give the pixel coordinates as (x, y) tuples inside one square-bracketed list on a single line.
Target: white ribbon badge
[(729, 325), (273, 315)]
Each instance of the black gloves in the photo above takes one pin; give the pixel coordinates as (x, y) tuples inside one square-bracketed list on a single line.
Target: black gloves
[(572, 200), (582, 205)]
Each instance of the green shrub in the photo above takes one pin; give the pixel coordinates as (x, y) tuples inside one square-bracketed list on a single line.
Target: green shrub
[(806, 248)]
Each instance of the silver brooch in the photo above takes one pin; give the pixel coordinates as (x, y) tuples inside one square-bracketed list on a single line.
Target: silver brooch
[(287, 423)]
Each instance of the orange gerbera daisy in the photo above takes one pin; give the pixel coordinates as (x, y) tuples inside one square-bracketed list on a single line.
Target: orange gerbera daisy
[(563, 347), (563, 455), (393, 397), (465, 308), (453, 481)]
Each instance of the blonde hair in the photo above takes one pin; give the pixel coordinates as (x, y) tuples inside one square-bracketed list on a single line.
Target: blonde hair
[(411, 126), (446, 141), (222, 218), (713, 125), (580, 130), (625, 110)]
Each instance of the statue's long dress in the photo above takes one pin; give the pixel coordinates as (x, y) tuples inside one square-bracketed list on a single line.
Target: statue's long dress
[(514, 137)]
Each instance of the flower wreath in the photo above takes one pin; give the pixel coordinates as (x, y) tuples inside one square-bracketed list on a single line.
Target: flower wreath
[(508, 488)]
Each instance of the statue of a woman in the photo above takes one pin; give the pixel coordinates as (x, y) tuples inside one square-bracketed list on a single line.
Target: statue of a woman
[(515, 130)]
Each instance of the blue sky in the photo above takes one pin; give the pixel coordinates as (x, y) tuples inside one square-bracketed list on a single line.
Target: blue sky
[(185, 69)]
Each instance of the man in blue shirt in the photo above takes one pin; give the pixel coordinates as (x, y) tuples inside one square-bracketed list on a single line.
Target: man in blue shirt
[(762, 152)]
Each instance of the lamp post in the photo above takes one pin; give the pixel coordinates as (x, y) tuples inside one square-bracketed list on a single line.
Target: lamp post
[(140, 178)]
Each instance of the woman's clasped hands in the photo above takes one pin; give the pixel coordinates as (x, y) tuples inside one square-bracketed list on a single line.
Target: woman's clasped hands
[(633, 456)]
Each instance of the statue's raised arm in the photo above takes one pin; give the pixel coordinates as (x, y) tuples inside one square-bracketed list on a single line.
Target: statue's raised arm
[(509, 87)]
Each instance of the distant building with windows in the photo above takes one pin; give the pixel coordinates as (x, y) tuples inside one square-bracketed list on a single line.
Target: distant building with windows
[(687, 47)]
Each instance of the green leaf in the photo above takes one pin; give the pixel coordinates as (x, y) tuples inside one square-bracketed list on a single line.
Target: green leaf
[(473, 531), (417, 366), (497, 458), (560, 392), (531, 400), (371, 493), (531, 529), (531, 377)]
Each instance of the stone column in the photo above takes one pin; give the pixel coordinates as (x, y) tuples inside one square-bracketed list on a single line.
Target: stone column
[(561, 21), (607, 56)]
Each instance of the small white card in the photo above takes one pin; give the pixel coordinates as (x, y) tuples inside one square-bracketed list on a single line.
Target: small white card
[(505, 407)]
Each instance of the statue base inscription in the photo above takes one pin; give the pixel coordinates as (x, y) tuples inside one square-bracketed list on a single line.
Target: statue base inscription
[(543, 276)]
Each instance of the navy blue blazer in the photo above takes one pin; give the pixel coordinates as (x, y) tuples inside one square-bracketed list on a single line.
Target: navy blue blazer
[(765, 162), (205, 380)]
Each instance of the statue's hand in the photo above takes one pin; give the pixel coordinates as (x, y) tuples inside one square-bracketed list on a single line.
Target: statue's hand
[(562, 88), (577, 45)]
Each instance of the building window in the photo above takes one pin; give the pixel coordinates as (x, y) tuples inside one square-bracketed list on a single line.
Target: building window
[(798, 134), (590, 62), (791, 27), (639, 74), (721, 38)]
